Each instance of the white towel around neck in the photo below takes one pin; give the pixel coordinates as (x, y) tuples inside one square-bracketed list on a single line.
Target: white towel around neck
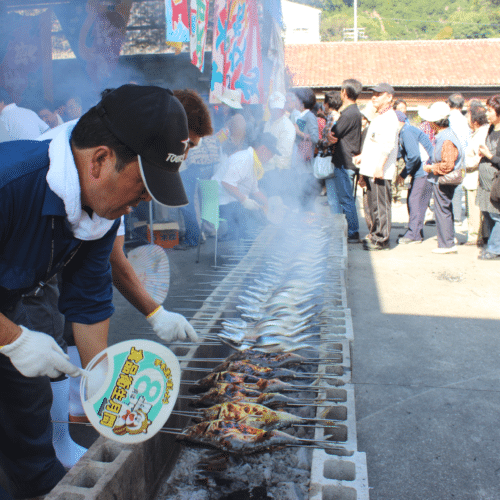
[(62, 178)]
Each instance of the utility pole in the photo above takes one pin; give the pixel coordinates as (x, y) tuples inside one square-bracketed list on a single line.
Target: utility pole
[(355, 20)]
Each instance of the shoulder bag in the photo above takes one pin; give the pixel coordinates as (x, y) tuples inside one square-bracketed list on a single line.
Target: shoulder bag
[(323, 167), (453, 178), (495, 188)]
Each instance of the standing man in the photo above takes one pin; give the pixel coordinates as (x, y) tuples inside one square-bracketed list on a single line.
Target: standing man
[(460, 127), (346, 137), (59, 202), (479, 125), (415, 148), (276, 178), (377, 163), (21, 123)]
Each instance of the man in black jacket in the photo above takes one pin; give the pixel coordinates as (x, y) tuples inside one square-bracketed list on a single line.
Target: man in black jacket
[(346, 135)]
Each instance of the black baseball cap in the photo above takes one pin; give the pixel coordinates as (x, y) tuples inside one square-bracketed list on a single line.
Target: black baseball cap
[(383, 87), (269, 141), (153, 124)]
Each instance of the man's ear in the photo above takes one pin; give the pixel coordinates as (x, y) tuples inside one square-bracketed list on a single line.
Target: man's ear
[(102, 157)]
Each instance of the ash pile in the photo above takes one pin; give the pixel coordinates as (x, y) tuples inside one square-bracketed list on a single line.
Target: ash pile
[(274, 418)]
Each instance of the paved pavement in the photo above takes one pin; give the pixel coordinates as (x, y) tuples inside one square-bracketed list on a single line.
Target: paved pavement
[(425, 365)]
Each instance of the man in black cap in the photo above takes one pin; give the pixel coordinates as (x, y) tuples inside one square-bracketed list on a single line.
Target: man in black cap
[(377, 165), (59, 202), (239, 194)]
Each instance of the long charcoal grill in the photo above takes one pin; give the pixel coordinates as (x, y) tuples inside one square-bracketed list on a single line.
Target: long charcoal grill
[(111, 470)]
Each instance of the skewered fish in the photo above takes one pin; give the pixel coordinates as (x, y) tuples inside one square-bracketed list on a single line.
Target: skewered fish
[(244, 380), (272, 360), (245, 366), (232, 437), (258, 416), (220, 394)]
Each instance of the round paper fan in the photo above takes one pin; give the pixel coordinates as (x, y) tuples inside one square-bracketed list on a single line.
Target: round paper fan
[(150, 263)]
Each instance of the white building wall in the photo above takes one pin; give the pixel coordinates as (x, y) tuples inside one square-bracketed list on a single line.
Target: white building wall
[(301, 23)]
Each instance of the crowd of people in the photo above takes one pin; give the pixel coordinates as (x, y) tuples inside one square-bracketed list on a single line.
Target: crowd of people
[(447, 156)]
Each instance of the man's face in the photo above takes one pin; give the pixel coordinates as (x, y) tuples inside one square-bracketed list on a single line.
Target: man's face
[(117, 193), (264, 153), (276, 113), (380, 100), (48, 117), (290, 101)]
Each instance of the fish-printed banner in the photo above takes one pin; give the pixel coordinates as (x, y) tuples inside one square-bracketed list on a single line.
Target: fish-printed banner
[(236, 51), (199, 12), (177, 20)]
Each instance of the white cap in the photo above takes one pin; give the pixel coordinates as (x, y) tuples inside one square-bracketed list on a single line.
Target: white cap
[(277, 100), (437, 111), (232, 98)]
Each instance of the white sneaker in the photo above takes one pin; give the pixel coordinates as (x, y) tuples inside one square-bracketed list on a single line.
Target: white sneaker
[(452, 249)]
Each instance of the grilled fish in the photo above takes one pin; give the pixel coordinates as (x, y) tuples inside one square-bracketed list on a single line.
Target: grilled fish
[(245, 366), (232, 437), (255, 415), (244, 380), (217, 395), (272, 360)]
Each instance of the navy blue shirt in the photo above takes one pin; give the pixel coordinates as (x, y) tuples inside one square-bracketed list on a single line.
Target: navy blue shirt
[(409, 139), (36, 240)]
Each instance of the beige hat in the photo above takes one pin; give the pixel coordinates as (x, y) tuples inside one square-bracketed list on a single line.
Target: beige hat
[(277, 100), (232, 98), (437, 111)]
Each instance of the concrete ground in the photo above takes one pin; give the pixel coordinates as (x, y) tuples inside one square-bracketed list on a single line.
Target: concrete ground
[(425, 365)]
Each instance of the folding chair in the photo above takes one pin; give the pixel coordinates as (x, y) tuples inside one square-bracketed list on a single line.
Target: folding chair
[(209, 209)]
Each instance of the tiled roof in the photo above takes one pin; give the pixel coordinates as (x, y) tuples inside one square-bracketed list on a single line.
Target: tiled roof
[(406, 63)]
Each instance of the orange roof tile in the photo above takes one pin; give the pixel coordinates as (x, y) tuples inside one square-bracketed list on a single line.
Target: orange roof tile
[(405, 63)]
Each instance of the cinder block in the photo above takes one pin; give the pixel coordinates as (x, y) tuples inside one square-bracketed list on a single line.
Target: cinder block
[(341, 410), (338, 478)]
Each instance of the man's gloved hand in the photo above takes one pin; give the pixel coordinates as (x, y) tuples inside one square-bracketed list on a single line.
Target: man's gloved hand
[(250, 204), (35, 354), (171, 326)]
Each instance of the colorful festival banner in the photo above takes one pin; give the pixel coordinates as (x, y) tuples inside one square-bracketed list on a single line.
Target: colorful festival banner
[(177, 21), (198, 36), (236, 51)]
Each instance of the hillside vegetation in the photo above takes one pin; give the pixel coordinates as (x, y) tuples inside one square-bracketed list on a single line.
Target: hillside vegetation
[(413, 20)]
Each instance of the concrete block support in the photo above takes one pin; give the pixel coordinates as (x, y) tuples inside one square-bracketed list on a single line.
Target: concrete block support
[(338, 478)]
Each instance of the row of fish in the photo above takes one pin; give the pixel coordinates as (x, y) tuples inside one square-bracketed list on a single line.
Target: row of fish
[(240, 403)]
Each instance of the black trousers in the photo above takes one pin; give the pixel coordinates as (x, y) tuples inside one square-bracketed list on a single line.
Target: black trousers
[(379, 197), (26, 452), (443, 211)]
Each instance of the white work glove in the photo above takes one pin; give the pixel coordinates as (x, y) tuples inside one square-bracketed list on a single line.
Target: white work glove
[(171, 326), (35, 354), (250, 204)]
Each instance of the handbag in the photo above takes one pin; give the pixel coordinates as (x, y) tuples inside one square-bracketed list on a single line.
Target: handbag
[(495, 188), (305, 150), (453, 178), (323, 167)]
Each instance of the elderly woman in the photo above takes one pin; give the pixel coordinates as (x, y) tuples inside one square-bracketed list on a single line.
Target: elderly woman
[(447, 157), (488, 167)]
